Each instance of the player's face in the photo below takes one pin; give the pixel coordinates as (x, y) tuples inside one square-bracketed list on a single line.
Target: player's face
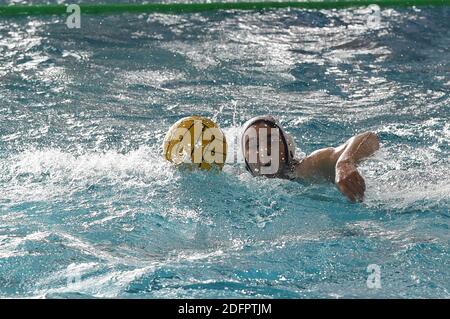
[(264, 149)]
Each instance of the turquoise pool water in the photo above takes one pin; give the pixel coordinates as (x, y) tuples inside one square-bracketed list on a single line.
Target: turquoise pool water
[(88, 207)]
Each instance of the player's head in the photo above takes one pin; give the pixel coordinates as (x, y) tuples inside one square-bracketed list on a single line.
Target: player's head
[(266, 148)]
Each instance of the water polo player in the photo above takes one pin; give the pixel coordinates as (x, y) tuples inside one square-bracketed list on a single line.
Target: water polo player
[(269, 151)]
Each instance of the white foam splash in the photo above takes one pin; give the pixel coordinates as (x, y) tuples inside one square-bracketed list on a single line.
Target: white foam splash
[(48, 173), (403, 178)]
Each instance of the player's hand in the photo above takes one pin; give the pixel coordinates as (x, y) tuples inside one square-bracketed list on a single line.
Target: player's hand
[(349, 181)]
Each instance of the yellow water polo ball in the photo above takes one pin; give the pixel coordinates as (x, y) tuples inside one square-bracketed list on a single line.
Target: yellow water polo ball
[(195, 141)]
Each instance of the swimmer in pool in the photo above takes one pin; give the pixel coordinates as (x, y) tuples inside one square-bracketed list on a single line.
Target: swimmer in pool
[(269, 151)]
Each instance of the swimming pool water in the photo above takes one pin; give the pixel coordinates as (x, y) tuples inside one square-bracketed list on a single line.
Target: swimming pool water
[(89, 208)]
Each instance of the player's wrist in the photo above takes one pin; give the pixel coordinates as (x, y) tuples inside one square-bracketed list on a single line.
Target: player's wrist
[(343, 168), (343, 163)]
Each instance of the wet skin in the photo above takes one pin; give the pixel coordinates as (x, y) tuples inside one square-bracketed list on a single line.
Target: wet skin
[(336, 164)]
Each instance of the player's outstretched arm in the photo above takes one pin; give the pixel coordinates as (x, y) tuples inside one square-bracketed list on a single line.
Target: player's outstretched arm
[(339, 164)]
